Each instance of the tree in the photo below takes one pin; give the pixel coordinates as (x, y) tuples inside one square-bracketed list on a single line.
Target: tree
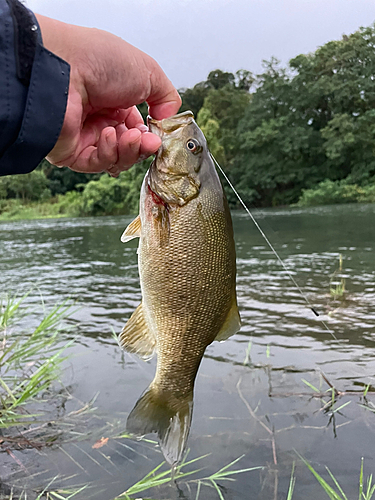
[(62, 180), (311, 121), (225, 107), (29, 187), (192, 99)]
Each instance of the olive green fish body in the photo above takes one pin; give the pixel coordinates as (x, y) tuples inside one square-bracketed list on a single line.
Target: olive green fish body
[(187, 272)]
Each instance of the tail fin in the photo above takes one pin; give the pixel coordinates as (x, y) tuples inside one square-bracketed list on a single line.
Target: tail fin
[(170, 419)]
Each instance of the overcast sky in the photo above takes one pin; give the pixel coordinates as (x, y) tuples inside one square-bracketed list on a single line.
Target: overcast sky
[(189, 38)]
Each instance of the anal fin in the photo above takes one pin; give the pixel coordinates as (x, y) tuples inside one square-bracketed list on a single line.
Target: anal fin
[(231, 325), (132, 231), (136, 337)]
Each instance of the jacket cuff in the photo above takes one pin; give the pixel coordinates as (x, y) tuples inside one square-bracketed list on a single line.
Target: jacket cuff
[(44, 112)]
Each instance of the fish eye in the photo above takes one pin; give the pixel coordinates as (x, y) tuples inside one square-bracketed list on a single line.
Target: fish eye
[(192, 145)]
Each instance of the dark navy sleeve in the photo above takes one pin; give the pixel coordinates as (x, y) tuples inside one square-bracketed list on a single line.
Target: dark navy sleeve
[(34, 86)]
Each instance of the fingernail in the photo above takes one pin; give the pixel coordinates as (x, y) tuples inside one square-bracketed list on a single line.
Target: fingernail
[(143, 128), (111, 139)]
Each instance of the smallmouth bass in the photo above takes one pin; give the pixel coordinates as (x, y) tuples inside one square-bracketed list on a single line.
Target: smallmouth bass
[(187, 268)]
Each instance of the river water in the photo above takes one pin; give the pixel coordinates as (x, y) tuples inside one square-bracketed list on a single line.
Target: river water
[(250, 397)]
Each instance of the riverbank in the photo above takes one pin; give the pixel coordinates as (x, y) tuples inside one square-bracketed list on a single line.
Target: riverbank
[(109, 196), (31, 197)]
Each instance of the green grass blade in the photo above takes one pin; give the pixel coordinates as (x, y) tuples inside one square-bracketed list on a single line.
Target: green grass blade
[(217, 489), (7, 389), (310, 385), (198, 490), (370, 489), (292, 483), (73, 494), (247, 353), (361, 481), (337, 484), (326, 487), (341, 407), (149, 481), (227, 466), (223, 473)]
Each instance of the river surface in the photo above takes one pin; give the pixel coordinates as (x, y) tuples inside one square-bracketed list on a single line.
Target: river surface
[(250, 397)]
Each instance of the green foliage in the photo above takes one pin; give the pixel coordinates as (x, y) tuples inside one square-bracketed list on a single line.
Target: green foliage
[(330, 192), (63, 180), (222, 110), (210, 127), (33, 186), (337, 282), (110, 195), (29, 360), (301, 133), (368, 194), (335, 492), (194, 98), (104, 196), (312, 121), (156, 478)]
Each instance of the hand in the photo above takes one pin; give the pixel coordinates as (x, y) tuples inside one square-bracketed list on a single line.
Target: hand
[(102, 129)]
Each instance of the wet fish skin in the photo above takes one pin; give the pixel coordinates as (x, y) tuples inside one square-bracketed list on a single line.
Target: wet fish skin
[(187, 271)]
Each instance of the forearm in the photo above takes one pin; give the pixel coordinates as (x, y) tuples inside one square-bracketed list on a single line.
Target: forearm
[(33, 91)]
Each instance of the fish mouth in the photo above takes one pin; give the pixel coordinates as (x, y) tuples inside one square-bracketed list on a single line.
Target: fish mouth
[(168, 125)]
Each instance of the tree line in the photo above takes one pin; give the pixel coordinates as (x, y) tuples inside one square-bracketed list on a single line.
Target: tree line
[(300, 133)]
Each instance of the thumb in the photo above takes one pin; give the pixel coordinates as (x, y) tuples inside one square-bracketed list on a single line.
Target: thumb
[(169, 106), (164, 100)]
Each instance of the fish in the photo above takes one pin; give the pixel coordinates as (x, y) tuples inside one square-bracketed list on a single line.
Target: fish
[(187, 268)]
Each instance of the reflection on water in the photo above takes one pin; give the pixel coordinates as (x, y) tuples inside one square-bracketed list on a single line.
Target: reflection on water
[(260, 408)]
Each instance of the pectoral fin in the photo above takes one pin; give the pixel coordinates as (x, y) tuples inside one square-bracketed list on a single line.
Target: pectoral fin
[(231, 325), (132, 231), (136, 337)]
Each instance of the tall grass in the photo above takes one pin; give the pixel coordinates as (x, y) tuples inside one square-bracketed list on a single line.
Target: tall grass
[(337, 282), (157, 478), (48, 493), (335, 492), (30, 360)]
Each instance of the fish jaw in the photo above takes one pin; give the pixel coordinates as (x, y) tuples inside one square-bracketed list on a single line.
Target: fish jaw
[(174, 173), (168, 125)]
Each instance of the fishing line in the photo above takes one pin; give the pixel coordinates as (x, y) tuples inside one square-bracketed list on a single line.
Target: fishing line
[(303, 295)]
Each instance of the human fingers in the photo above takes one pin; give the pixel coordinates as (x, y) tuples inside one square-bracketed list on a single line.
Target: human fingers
[(164, 109), (95, 158), (129, 148), (133, 118), (116, 152), (107, 148), (150, 143), (164, 100)]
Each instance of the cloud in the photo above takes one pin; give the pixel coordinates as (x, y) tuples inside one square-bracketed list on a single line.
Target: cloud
[(191, 37)]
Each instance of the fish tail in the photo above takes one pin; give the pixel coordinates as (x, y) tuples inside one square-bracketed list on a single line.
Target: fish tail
[(170, 418)]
